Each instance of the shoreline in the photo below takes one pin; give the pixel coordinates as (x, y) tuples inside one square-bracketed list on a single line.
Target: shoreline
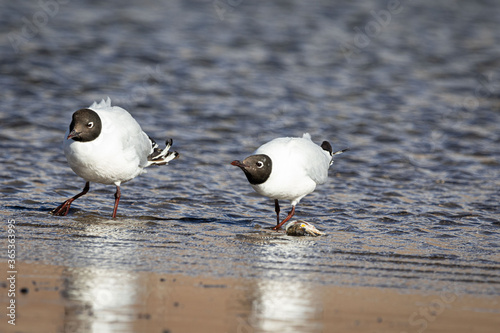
[(60, 299)]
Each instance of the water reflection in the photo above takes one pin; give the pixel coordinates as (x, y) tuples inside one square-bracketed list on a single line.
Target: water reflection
[(104, 300), (100, 300), (278, 301), (281, 306)]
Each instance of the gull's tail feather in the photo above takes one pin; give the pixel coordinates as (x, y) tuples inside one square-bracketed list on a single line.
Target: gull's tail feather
[(341, 151), (161, 156), (327, 147)]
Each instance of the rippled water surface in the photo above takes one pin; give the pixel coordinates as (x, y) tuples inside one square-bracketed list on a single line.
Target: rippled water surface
[(413, 92)]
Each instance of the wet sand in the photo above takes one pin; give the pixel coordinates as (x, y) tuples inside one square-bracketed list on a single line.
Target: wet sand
[(63, 299)]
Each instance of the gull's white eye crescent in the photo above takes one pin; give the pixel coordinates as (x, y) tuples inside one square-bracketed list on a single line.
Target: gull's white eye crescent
[(259, 164), (90, 124)]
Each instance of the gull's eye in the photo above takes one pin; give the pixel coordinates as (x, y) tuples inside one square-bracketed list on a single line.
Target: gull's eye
[(259, 164), (90, 124)]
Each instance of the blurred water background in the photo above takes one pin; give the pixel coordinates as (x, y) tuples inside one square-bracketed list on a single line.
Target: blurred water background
[(411, 87)]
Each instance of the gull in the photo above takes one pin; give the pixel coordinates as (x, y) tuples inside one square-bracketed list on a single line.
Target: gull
[(288, 169), (105, 144)]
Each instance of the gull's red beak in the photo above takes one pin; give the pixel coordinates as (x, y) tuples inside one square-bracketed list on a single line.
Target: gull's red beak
[(72, 134), (238, 164)]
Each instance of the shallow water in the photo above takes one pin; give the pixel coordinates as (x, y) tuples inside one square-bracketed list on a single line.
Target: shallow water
[(412, 205)]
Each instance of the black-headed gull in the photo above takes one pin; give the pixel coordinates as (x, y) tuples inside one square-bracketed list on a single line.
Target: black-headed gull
[(289, 169), (104, 144)]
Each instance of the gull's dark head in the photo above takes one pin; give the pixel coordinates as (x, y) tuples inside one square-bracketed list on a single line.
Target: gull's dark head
[(257, 168), (85, 126)]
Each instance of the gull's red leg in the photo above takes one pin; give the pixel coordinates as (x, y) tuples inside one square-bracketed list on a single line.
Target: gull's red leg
[(286, 219), (63, 209), (117, 200)]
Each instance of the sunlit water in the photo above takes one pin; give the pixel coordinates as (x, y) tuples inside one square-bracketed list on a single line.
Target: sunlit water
[(413, 204)]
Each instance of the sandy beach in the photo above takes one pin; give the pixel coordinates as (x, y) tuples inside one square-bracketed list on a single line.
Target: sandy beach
[(63, 299)]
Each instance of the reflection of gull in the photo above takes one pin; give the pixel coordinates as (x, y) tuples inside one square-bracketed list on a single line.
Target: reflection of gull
[(102, 300), (108, 297), (286, 307), (284, 299)]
